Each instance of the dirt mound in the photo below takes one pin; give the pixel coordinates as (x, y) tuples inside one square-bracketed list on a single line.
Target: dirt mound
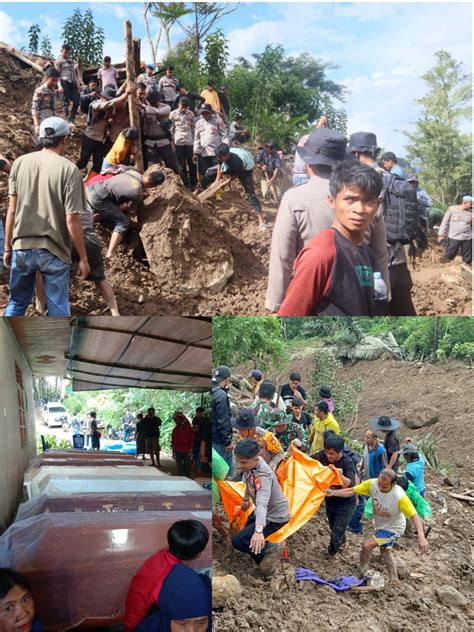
[(182, 244)]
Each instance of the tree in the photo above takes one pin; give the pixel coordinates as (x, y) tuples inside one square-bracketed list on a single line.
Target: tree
[(437, 147), (33, 38), (258, 338), (216, 55), (168, 13), (46, 48), (206, 15), (85, 38)]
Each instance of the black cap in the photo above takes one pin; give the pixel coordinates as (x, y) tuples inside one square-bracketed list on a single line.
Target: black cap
[(412, 178), (245, 420), (323, 147), (206, 108), (221, 373), (363, 141)]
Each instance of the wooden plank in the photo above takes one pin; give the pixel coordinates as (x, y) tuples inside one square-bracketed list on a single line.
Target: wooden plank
[(132, 106), (209, 192), (136, 54)]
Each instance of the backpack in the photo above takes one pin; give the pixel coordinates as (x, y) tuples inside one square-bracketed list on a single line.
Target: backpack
[(402, 212)]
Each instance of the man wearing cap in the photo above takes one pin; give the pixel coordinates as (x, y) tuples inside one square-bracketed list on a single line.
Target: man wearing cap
[(423, 198), (183, 124), (108, 75), (96, 130), (299, 175), (388, 427), (415, 467), (269, 161), (211, 97), (271, 506), (237, 162), (363, 145), (256, 378), (192, 96), (112, 198), (286, 431), (304, 212), (210, 132), (69, 83), (456, 230), (155, 116), (148, 78), (390, 163), (168, 86), (220, 407), (44, 98), (43, 218), (247, 424), (238, 132)]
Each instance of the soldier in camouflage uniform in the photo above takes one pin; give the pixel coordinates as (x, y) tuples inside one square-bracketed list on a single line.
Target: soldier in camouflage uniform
[(44, 98), (286, 431)]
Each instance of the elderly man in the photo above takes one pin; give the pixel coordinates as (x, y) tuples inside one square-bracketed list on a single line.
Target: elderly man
[(304, 212), (392, 507)]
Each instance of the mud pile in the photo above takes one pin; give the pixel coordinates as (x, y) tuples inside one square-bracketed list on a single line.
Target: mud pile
[(182, 243)]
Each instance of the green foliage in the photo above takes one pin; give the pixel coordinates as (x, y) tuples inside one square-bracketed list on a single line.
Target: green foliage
[(344, 394), (52, 442), (437, 147), (33, 39), (46, 48), (428, 446), (239, 339), (84, 36), (216, 55), (278, 95), (110, 406)]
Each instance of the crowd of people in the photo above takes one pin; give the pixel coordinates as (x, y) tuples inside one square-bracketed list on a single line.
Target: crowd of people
[(342, 235), (255, 441), (166, 594), (191, 442)]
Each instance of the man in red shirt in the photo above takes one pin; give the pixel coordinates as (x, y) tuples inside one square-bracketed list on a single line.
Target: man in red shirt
[(334, 273), (182, 440)]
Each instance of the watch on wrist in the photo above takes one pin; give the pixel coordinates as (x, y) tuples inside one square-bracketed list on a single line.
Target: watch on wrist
[(258, 529)]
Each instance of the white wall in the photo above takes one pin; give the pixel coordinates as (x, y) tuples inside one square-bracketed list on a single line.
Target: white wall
[(14, 458)]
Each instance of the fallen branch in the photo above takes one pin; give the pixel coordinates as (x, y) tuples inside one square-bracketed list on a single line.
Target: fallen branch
[(469, 499)]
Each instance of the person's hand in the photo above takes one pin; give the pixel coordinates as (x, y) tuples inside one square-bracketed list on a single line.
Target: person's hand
[(440, 238), (423, 544), (84, 269), (229, 448), (330, 492), (245, 505), (7, 258), (195, 158), (60, 90), (257, 543), (37, 130)]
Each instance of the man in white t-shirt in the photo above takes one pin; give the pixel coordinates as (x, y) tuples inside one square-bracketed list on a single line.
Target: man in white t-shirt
[(391, 509)]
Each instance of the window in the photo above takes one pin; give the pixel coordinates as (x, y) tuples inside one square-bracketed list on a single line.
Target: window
[(21, 405)]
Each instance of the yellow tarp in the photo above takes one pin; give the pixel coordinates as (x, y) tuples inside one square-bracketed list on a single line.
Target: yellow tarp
[(304, 482)]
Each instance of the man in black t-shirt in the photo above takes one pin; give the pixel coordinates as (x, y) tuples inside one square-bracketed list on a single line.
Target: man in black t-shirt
[(300, 416), (338, 513), (391, 443), (150, 427), (293, 389)]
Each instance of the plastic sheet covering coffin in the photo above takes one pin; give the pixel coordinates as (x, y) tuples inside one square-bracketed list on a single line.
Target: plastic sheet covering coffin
[(304, 482), (73, 460), (83, 454), (62, 481), (167, 501), (81, 564)]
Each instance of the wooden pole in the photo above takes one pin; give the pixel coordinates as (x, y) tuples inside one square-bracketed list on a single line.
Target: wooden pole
[(132, 107), (136, 54)]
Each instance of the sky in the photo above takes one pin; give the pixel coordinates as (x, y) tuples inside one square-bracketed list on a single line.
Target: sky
[(381, 48)]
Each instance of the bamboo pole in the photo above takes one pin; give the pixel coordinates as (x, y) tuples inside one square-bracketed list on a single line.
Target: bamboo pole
[(132, 107)]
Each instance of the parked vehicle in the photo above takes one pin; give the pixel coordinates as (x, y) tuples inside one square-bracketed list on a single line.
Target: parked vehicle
[(54, 414)]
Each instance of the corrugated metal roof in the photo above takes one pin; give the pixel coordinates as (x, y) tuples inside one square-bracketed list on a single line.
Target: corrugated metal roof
[(162, 352)]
